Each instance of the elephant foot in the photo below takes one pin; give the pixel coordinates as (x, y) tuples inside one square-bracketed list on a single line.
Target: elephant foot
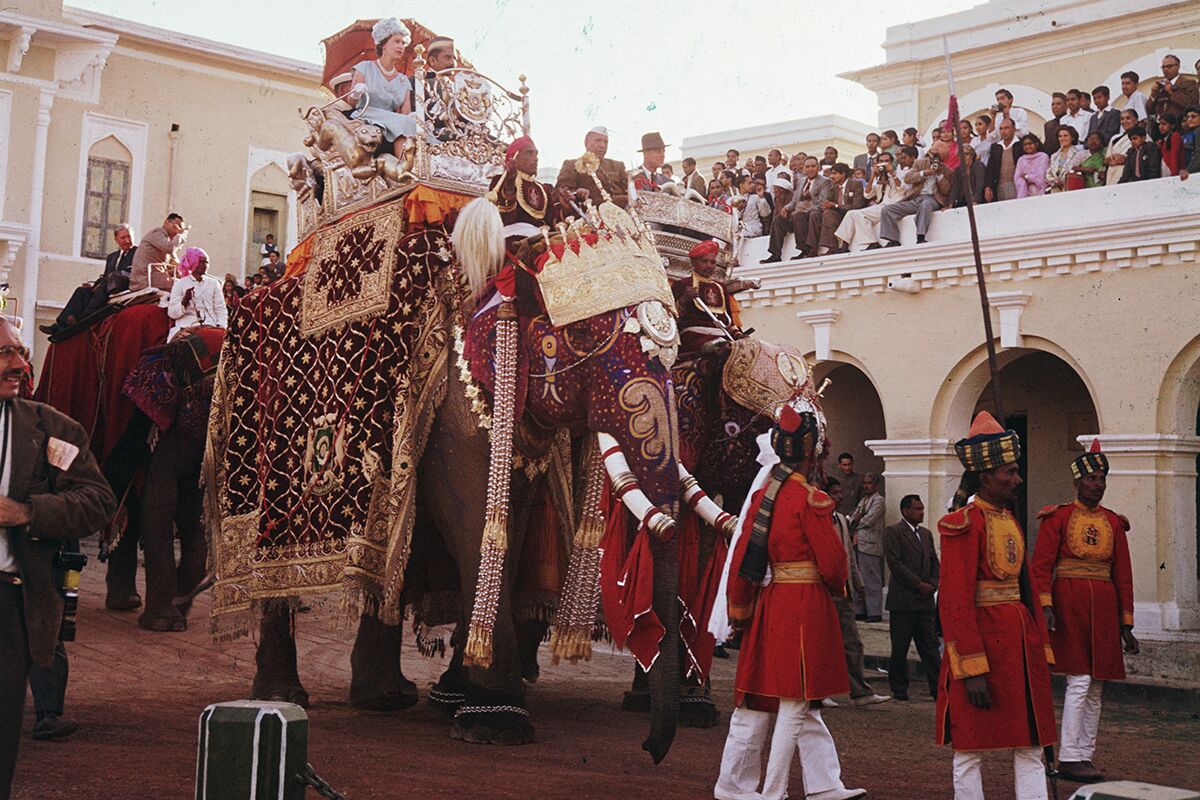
[(122, 601), (170, 621), (491, 717), (280, 689), (696, 709), (530, 634), (373, 696), (637, 700)]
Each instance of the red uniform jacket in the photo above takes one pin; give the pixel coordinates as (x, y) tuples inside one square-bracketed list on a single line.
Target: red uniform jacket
[(989, 631), (793, 647), (1081, 568)]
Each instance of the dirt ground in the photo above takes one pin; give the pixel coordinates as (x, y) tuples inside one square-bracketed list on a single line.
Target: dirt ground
[(137, 696)]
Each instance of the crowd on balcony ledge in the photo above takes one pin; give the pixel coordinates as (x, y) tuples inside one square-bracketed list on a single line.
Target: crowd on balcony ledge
[(833, 206)]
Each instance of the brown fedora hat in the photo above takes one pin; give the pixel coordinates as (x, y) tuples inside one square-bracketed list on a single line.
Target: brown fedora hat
[(652, 141)]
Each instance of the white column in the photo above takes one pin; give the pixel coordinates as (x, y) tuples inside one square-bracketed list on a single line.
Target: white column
[(33, 245), (822, 320), (924, 467)]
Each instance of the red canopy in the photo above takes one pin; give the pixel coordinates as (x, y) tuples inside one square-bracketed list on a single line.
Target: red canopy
[(353, 44)]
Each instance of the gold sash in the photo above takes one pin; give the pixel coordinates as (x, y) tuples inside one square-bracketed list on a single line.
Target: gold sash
[(1083, 568), (994, 593), (795, 572)]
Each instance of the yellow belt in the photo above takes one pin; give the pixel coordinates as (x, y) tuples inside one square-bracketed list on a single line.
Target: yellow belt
[(994, 593), (1082, 568), (795, 572)]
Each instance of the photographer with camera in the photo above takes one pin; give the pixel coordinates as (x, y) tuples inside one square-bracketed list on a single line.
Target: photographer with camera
[(1172, 94), (51, 491), (1004, 109)]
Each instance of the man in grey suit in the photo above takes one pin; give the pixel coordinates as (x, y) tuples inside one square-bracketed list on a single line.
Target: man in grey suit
[(866, 161), (794, 218), (823, 220), (911, 603), (867, 525), (928, 190), (693, 180)]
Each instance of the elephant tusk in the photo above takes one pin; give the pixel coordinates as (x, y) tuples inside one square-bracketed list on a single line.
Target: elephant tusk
[(625, 486), (703, 505)]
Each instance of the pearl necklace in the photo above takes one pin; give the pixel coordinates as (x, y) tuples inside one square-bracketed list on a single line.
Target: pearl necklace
[(388, 75)]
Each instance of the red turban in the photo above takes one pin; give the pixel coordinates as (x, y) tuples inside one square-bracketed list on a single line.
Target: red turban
[(706, 248), (517, 146)]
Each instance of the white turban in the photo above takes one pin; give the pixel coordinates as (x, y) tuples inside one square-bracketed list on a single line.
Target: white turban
[(385, 29), (600, 129)]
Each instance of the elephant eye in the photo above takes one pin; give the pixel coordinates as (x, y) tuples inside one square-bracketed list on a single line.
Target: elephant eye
[(732, 429)]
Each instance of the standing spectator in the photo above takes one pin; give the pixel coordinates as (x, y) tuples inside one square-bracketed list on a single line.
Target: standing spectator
[(889, 141), (970, 169), (1131, 98), (1170, 144), (911, 604), (796, 167), (1188, 132), (715, 195), (1173, 93), (910, 140), (1058, 110), (867, 525), (668, 172), (1143, 162), (1064, 161), (860, 229), (750, 207), (830, 158), (1030, 175), (860, 691), (848, 196), (1118, 146), (775, 167), (1076, 117), (1004, 109), (852, 484), (866, 161), (691, 178), (1192, 166), (1002, 165), (731, 159), (232, 292), (794, 217), (51, 490), (267, 247), (759, 170), (1093, 168), (1105, 120), (717, 169), (928, 189), (981, 142)]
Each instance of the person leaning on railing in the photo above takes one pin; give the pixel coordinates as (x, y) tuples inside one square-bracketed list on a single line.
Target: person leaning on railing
[(1066, 160)]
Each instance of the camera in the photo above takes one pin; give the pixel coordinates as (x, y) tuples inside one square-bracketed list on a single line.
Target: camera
[(70, 563), (997, 108)]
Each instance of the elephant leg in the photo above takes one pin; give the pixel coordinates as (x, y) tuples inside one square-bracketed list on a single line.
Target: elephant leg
[(450, 691), (638, 696), (193, 544), (159, 501), (376, 682), (696, 708), (121, 577), (277, 677), (530, 635)]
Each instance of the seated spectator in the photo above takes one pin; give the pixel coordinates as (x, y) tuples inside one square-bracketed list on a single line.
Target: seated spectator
[(1064, 161), (1131, 98), (750, 208), (827, 162), (1188, 133), (860, 175), (889, 141), (1143, 162), (781, 190), (944, 147), (860, 229), (1004, 109), (1170, 144), (1105, 120), (1077, 117), (93, 296), (848, 195), (715, 195), (1173, 93), (1002, 165), (927, 190), (1092, 167), (1058, 110), (196, 298), (981, 143), (1192, 166), (960, 189), (1118, 146), (1030, 174), (794, 218)]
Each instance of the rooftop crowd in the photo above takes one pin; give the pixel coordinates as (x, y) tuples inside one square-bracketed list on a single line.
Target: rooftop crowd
[(1091, 139)]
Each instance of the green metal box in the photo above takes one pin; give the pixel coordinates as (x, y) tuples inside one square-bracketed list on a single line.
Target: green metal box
[(251, 750)]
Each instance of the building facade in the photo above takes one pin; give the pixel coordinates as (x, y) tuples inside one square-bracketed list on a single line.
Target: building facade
[(104, 121)]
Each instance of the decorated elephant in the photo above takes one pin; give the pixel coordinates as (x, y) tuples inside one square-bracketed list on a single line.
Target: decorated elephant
[(351, 420)]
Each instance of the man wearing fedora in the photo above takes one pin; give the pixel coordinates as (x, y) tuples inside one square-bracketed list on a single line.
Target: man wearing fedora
[(647, 178)]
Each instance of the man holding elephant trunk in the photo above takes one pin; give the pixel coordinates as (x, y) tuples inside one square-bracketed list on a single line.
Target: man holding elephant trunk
[(792, 651)]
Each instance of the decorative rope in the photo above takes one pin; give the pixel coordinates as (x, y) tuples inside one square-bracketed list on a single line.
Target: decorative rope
[(576, 617), (495, 529)]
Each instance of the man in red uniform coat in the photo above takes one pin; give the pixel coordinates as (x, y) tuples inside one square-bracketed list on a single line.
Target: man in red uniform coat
[(706, 307), (792, 650), (994, 687), (1085, 586)]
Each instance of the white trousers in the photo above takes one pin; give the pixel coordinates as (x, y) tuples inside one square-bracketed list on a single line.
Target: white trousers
[(1080, 718), (1029, 774), (798, 725), (860, 227)]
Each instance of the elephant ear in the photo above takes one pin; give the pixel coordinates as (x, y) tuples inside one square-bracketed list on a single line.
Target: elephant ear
[(760, 376)]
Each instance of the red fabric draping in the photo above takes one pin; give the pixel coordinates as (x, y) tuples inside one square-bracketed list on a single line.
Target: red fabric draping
[(627, 585)]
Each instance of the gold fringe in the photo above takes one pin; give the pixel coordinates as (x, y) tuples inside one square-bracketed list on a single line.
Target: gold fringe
[(478, 652), (576, 617)]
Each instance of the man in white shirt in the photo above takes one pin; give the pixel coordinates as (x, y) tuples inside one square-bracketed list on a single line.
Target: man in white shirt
[(1131, 98), (1004, 109), (860, 229), (1076, 117), (196, 298), (776, 167)]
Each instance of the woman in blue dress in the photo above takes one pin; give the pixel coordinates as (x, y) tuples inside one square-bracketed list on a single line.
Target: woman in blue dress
[(382, 91)]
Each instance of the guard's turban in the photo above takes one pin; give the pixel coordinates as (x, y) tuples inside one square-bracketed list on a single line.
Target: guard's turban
[(1091, 461), (519, 144), (705, 248)]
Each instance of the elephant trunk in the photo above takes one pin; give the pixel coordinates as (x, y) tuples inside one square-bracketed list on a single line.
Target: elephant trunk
[(664, 673)]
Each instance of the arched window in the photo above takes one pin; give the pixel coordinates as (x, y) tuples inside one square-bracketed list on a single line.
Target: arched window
[(106, 195)]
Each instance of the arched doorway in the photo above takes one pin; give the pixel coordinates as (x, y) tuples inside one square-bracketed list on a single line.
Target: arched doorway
[(1049, 405), (854, 412)]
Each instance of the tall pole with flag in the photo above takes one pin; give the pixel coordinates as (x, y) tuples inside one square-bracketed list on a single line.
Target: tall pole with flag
[(952, 120)]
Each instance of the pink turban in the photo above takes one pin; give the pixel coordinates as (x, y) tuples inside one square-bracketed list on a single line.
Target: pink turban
[(517, 146), (191, 257)]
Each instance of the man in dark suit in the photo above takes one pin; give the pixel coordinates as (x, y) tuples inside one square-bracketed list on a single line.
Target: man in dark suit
[(824, 220), (1058, 109), (813, 190), (1143, 162), (908, 548), (578, 177), (50, 490), (1002, 163), (866, 161), (1105, 120), (91, 297)]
